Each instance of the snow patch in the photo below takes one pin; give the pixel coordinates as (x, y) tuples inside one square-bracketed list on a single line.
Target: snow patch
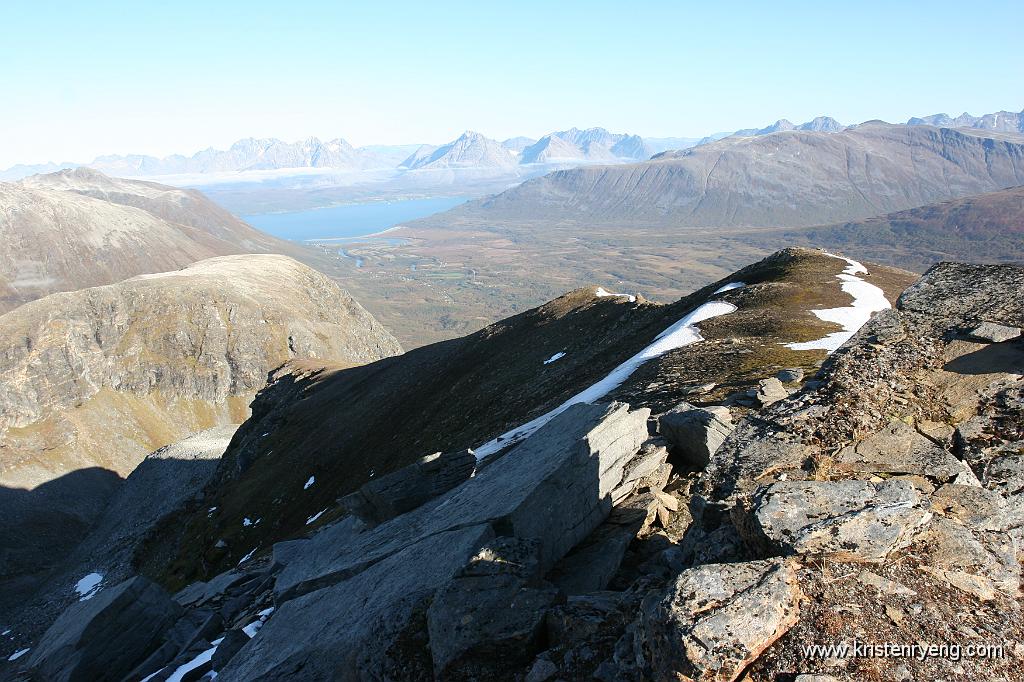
[(867, 299), (202, 659), (602, 293), (554, 358), (311, 481), (88, 586), (729, 287), (680, 334), (18, 654), (247, 556), (252, 628), (247, 521), (314, 517)]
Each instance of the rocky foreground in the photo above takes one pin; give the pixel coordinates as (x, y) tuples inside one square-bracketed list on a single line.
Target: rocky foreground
[(878, 501)]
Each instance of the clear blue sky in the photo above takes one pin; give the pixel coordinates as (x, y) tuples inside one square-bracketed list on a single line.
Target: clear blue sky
[(84, 78)]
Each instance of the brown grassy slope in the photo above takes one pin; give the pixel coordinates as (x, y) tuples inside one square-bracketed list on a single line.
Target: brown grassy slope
[(988, 228)]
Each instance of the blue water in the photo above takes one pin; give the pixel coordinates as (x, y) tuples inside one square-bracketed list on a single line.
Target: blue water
[(351, 220)]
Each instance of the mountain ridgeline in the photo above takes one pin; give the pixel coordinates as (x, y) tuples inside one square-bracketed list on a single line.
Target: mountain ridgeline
[(792, 178), (80, 228)]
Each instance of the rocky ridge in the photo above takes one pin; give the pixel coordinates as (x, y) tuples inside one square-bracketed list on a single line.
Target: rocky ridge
[(875, 499)]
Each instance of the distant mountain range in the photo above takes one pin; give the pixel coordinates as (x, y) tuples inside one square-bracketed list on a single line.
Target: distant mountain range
[(470, 150), (789, 178)]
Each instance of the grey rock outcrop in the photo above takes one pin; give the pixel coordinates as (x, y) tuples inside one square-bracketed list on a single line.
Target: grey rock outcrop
[(713, 620), (491, 614), (105, 637), (400, 491), (572, 465), (696, 433), (844, 520), (554, 488)]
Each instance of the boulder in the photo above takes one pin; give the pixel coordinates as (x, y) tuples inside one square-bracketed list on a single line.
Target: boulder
[(714, 620), (770, 391), (899, 449), (844, 520), (409, 487), (106, 637), (490, 616), (696, 433), (994, 333)]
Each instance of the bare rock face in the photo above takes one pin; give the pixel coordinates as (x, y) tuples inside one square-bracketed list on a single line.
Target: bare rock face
[(158, 357), (713, 620), (356, 597), (846, 520), (492, 613)]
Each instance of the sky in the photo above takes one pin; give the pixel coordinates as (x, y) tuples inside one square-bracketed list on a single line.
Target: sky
[(80, 79)]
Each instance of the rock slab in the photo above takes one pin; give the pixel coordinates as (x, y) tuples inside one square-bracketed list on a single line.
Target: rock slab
[(845, 520), (105, 637), (715, 619)]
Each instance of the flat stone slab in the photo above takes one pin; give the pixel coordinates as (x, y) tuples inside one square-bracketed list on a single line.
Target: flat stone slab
[(107, 636), (346, 629), (900, 449), (714, 620), (994, 333), (844, 520), (556, 486)]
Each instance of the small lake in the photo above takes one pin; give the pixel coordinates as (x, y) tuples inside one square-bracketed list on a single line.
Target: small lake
[(349, 220)]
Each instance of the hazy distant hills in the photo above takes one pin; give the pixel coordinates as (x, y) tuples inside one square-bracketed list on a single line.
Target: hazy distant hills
[(79, 228), (789, 178), (470, 150)]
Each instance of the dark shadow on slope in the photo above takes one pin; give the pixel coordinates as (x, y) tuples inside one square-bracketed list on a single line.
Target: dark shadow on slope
[(50, 538), (995, 358), (40, 526)]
